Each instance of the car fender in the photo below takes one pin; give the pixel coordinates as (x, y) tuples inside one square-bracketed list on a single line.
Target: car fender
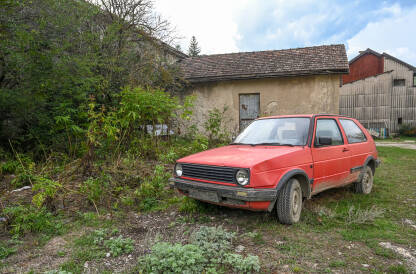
[(367, 160), (306, 185)]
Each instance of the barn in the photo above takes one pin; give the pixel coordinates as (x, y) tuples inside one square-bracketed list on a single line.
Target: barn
[(380, 92), (248, 85)]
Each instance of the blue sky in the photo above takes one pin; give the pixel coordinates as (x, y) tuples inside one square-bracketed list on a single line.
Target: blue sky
[(223, 26)]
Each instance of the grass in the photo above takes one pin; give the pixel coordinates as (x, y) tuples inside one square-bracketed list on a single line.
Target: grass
[(339, 229)]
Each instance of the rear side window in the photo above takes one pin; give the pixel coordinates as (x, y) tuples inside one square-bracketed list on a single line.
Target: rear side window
[(328, 128), (353, 132)]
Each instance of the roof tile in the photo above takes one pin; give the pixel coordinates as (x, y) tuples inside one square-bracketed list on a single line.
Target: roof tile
[(266, 64)]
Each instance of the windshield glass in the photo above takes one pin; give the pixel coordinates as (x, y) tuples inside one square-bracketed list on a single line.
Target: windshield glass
[(276, 131)]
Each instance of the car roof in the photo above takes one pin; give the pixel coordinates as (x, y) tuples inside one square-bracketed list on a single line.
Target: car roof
[(302, 115)]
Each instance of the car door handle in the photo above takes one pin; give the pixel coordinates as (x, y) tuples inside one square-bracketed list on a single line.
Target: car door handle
[(345, 149)]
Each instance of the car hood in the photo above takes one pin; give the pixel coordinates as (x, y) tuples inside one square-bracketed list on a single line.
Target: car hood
[(244, 156)]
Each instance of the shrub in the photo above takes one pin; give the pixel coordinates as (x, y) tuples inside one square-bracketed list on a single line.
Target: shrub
[(46, 189), (9, 167), (243, 265), (407, 130), (214, 126), (119, 246), (23, 219), (152, 189), (215, 242), (94, 189), (207, 252), (177, 258)]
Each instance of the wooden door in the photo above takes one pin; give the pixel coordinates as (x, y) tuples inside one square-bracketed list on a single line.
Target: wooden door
[(249, 109)]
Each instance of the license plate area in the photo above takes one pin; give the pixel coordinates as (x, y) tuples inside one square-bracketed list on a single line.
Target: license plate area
[(209, 196)]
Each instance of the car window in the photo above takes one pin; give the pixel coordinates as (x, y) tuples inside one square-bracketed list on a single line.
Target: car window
[(328, 128), (353, 132), (291, 130)]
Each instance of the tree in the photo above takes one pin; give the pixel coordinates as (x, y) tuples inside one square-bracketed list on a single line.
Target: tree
[(194, 49), (52, 62)]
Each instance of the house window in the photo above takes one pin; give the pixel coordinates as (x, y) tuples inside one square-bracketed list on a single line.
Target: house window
[(414, 79), (399, 82), (400, 120)]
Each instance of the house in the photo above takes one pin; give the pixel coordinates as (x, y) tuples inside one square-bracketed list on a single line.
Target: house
[(380, 92), (262, 83)]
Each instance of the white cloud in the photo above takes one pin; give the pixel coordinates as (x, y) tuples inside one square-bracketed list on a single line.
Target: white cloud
[(395, 36), (212, 22)]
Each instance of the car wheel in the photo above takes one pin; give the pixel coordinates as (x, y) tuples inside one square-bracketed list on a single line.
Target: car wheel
[(366, 184), (289, 202)]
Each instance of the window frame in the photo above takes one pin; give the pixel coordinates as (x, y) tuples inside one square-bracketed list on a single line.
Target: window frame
[(399, 80), (346, 135), (414, 78), (316, 129)]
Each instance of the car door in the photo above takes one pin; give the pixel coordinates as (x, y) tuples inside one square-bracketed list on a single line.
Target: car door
[(357, 144), (331, 161)]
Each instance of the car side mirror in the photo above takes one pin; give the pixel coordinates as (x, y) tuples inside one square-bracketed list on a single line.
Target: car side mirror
[(325, 141)]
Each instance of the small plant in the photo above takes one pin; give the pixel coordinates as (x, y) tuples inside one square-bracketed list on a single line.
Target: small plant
[(9, 167), (177, 258), (243, 265), (45, 188), (25, 219), (337, 264), (207, 252), (214, 125), (215, 242), (94, 189), (119, 245), (363, 216), (6, 250)]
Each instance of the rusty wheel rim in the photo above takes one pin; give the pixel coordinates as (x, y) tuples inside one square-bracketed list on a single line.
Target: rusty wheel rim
[(296, 202), (367, 182)]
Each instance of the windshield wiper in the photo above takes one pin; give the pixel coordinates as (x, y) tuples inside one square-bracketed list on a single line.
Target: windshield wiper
[(273, 144), (242, 144)]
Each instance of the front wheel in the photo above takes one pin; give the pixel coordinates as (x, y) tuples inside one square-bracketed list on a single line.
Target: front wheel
[(289, 202), (366, 184)]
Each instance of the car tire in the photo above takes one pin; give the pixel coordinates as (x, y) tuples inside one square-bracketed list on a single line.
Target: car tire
[(365, 185), (289, 202)]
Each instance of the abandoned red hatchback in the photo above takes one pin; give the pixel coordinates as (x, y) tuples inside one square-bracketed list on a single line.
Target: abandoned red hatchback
[(278, 161)]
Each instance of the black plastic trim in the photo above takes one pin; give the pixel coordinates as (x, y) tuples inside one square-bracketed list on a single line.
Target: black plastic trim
[(250, 194)]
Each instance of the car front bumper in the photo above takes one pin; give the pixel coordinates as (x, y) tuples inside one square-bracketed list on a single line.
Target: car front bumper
[(225, 195)]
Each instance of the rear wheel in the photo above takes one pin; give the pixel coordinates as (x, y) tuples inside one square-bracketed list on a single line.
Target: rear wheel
[(289, 202), (366, 184)]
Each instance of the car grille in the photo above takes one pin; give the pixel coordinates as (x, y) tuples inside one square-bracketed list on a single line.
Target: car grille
[(212, 173)]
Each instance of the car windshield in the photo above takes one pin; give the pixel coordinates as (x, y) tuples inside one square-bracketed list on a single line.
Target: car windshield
[(291, 131)]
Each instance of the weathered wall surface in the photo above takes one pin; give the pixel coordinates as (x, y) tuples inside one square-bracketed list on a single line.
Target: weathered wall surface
[(376, 103), (289, 95), (366, 66)]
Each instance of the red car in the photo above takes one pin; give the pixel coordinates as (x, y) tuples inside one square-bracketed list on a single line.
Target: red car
[(278, 161)]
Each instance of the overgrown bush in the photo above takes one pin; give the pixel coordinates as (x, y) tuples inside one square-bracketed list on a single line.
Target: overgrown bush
[(215, 126), (45, 189), (24, 219), (153, 188), (208, 252), (407, 130)]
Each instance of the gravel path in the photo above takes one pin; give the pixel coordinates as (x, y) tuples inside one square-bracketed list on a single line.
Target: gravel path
[(408, 145)]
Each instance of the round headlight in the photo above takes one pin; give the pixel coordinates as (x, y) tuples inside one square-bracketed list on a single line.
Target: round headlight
[(178, 170), (242, 177)]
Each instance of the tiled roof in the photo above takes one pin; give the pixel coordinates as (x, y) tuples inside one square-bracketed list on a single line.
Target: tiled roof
[(330, 59)]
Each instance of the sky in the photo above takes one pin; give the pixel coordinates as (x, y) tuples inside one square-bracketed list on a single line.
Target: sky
[(224, 26)]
